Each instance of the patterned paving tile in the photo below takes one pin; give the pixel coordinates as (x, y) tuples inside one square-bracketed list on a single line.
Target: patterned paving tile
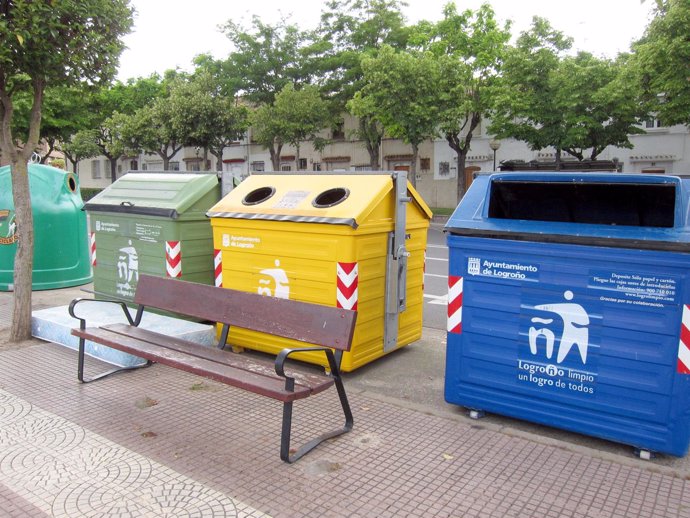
[(198, 440), (67, 471)]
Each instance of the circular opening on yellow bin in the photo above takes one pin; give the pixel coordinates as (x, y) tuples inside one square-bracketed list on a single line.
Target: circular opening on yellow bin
[(71, 183), (331, 197), (258, 195)]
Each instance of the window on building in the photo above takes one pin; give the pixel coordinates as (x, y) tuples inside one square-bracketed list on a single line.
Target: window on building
[(652, 123), (316, 166), (302, 164), (174, 166), (119, 169), (193, 166), (425, 164), (362, 168), (133, 165), (258, 166), (153, 166), (95, 169), (286, 167), (444, 168), (339, 132)]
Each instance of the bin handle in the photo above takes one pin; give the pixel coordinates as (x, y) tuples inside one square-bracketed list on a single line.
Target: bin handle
[(126, 203)]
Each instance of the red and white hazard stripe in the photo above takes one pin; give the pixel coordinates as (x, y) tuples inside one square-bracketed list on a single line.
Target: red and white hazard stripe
[(455, 304), (684, 342), (218, 267), (173, 258), (92, 247), (348, 279)]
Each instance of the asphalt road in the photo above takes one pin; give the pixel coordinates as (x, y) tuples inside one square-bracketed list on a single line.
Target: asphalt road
[(436, 278)]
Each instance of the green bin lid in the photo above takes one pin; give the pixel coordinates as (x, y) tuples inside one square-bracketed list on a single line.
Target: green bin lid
[(153, 194)]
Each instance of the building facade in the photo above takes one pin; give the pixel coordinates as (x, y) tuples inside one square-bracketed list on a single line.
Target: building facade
[(660, 150)]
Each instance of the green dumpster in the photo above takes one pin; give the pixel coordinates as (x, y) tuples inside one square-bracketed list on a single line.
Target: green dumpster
[(61, 248), (153, 223)]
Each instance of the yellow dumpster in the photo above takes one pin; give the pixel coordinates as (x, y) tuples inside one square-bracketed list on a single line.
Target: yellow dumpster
[(355, 241)]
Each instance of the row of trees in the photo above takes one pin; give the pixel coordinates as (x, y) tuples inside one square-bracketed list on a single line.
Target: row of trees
[(413, 82)]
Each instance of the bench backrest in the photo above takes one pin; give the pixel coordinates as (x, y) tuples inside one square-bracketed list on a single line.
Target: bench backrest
[(310, 323)]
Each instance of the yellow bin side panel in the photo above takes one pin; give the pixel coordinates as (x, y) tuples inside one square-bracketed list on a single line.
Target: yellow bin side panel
[(308, 254)]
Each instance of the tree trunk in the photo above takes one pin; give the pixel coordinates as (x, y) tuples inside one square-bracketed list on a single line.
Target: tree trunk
[(412, 177), (274, 151), (372, 137), (219, 159), (462, 164), (21, 198), (167, 157), (558, 159), (113, 169), (74, 161), (24, 256), (51, 148), (462, 148), (375, 160)]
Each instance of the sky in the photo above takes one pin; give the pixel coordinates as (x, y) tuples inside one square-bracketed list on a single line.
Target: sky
[(169, 33)]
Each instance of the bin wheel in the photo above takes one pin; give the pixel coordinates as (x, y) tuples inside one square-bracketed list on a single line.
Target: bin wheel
[(476, 414), (644, 454)]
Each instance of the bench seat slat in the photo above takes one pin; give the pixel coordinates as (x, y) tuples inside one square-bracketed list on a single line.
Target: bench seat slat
[(236, 377), (315, 382), (305, 322)]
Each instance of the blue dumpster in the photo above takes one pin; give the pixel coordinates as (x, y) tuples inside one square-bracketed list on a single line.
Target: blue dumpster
[(569, 304)]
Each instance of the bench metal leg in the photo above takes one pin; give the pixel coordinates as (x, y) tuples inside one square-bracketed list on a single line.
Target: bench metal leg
[(80, 367), (307, 447)]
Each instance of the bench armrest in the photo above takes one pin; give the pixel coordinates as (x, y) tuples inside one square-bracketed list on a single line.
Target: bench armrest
[(283, 355), (82, 321)]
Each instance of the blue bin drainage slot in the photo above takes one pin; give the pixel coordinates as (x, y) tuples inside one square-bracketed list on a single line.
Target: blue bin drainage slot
[(569, 304)]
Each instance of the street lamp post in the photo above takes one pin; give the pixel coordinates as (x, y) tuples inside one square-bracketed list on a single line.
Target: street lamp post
[(494, 144)]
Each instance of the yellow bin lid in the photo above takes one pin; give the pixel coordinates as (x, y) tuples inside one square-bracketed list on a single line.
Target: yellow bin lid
[(339, 199)]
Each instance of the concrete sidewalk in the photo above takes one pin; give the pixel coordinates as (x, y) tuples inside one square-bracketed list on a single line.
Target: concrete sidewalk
[(159, 442)]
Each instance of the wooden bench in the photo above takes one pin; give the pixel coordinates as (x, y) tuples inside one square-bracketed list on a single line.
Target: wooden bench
[(326, 329)]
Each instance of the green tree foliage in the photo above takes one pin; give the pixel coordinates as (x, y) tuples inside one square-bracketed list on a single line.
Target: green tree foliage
[(113, 108), (571, 103), (348, 30), (43, 44), (151, 128), (295, 116), (200, 115), (267, 58), (470, 48), (662, 59), (130, 96), (66, 110), (601, 105), (401, 90), (527, 106), (79, 146), (111, 138)]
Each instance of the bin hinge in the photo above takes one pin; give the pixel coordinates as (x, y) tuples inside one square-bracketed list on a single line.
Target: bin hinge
[(396, 268)]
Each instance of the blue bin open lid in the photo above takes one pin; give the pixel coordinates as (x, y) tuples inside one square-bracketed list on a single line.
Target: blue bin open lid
[(601, 209)]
